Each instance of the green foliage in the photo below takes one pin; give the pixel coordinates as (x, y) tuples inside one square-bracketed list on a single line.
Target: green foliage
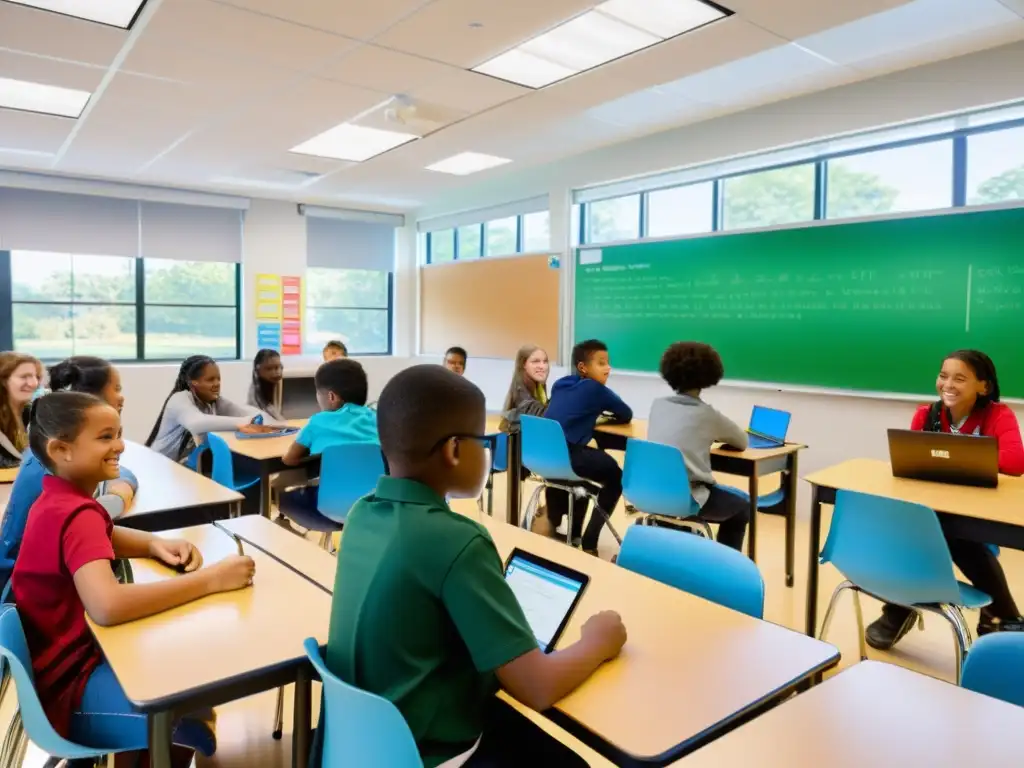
[(1007, 186)]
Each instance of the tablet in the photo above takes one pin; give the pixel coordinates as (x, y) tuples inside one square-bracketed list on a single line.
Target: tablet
[(284, 431), (547, 591)]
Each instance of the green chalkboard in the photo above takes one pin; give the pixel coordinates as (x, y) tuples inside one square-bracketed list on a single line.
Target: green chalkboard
[(870, 305)]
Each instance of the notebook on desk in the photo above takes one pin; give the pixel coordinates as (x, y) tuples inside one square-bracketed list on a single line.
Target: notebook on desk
[(768, 427), (547, 592), (941, 457)]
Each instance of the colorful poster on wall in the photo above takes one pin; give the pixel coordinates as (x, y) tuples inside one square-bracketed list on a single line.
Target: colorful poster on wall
[(268, 297), (268, 336), (291, 315)]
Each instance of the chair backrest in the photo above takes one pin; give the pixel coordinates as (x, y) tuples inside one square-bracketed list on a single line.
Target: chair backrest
[(544, 449), (655, 481), (696, 565), (16, 658), (223, 471), (361, 728), (893, 549), (995, 667), (347, 473), (499, 461)]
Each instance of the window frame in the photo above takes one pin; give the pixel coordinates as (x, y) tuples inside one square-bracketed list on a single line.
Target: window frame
[(390, 309)]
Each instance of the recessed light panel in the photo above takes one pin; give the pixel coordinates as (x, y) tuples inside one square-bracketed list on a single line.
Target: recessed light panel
[(613, 29), (466, 163), (45, 99), (115, 13), (353, 142)]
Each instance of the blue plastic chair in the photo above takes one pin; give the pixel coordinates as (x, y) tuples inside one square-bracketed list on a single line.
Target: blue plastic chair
[(656, 483), (895, 551), (764, 500), (546, 453), (223, 465), (699, 566), (360, 728), (995, 667), (499, 464)]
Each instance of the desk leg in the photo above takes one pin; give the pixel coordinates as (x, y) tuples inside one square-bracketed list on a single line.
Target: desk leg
[(264, 491), (301, 723), (813, 547), (160, 739), (792, 483), (513, 476), (752, 528)]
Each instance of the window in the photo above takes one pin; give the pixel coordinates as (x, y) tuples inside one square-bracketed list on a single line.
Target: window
[(574, 224), (72, 304), (537, 231), (501, 236), (353, 305), (995, 167), (769, 198), (612, 220), (911, 178), (441, 246), (469, 242), (191, 308), (680, 211)]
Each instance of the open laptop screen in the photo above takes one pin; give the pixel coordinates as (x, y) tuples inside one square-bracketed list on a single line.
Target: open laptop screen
[(769, 422)]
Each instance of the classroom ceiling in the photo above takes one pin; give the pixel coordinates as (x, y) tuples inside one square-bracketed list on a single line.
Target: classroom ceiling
[(212, 94)]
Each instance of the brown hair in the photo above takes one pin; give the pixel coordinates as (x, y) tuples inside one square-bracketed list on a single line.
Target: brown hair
[(517, 376), (11, 423)]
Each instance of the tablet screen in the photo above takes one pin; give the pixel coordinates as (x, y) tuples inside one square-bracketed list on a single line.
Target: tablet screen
[(547, 596)]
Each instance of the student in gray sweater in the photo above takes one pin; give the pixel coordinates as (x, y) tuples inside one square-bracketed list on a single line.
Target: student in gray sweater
[(692, 426)]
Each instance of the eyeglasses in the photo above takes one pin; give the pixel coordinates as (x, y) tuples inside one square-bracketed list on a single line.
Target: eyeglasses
[(490, 442)]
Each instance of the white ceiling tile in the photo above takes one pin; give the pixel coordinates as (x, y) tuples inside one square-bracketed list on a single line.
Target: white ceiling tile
[(352, 18), (918, 23), (40, 69), (469, 91), (796, 18), (31, 132), (652, 107), (441, 30), (1017, 6), (50, 34), (184, 25), (385, 70)]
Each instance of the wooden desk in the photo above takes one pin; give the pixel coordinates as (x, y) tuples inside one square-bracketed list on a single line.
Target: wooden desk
[(987, 515), (221, 648), (295, 552), (689, 670), (262, 457), (873, 714), (751, 464), (171, 495)]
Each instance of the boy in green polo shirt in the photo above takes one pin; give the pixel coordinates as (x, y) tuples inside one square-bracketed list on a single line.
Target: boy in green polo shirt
[(422, 614)]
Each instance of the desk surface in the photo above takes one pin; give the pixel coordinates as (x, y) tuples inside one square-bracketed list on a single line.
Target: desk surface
[(300, 553), (689, 665), (262, 448), (872, 714), (638, 428), (219, 639), (1004, 504)]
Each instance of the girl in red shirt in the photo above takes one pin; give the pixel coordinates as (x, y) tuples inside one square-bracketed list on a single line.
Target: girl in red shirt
[(968, 405), (63, 572)]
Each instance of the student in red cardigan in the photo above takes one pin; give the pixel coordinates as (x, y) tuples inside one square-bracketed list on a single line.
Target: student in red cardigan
[(968, 405)]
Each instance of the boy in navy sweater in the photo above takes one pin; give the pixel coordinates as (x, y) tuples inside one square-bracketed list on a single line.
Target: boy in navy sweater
[(577, 401)]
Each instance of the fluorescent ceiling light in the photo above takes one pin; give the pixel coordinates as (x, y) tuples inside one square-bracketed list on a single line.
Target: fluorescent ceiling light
[(46, 99), (116, 13), (665, 18), (466, 163), (613, 29), (353, 142)]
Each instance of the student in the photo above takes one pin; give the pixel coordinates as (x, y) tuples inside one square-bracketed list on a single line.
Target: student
[(334, 350), (528, 392), (421, 613), (267, 372), (196, 407), (968, 404), (691, 425), (455, 360), (20, 376), (64, 573), (576, 403), (76, 374)]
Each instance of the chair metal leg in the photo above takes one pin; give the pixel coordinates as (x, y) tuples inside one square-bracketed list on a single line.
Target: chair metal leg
[(568, 526), (325, 541), (832, 603), (961, 635), (279, 715), (526, 520)]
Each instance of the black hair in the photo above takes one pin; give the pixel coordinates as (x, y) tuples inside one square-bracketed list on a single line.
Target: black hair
[(264, 390), (58, 416), (690, 365), (984, 370), (457, 351), (189, 370), (80, 373), (336, 344), (345, 378), (422, 405), (585, 350)]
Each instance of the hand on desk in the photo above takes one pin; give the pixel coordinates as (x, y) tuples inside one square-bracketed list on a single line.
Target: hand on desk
[(256, 429), (607, 632), (231, 573), (177, 553)]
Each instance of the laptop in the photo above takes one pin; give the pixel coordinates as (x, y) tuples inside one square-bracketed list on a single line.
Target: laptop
[(941, 457), (547, 591), (768, 427)]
